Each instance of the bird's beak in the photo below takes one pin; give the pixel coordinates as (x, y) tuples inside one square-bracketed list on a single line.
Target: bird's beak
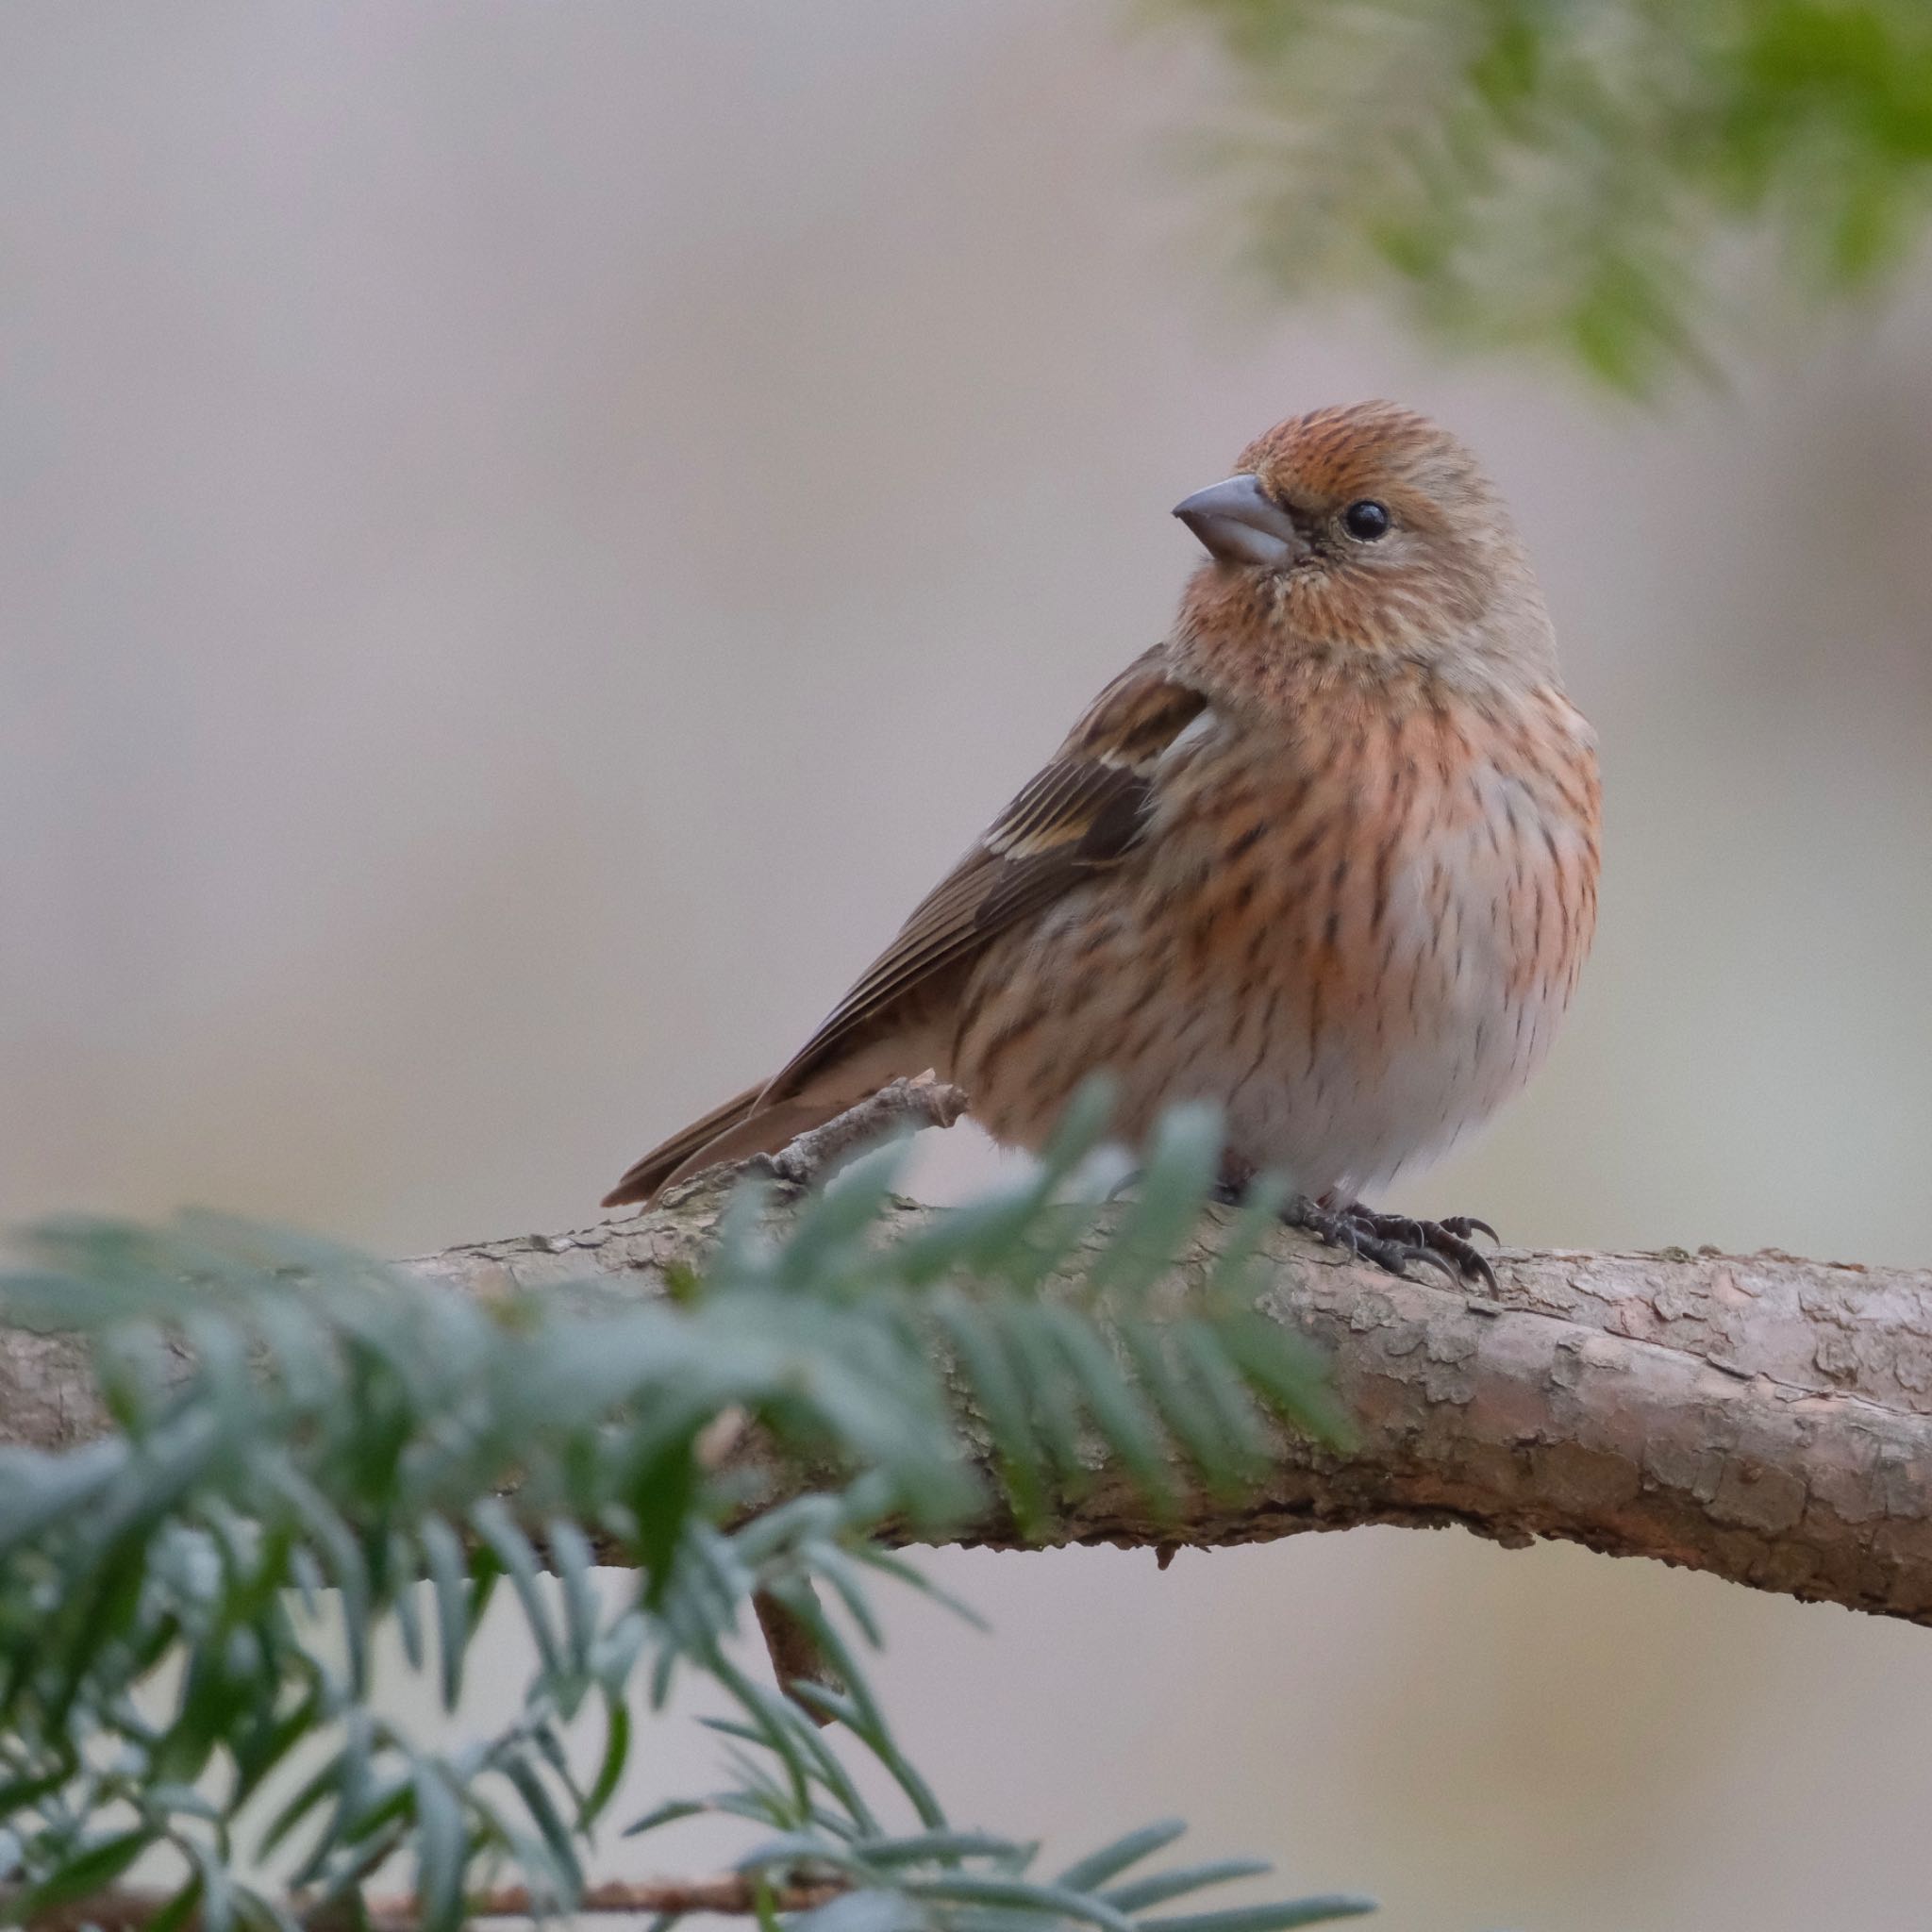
[(1240, 523)]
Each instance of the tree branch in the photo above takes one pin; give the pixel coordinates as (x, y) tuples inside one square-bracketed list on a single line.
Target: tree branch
[(899, 1106), (129, 1908), (1763, 1418)]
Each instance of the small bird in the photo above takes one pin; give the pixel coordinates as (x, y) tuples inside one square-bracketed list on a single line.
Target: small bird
[(1326, 857)]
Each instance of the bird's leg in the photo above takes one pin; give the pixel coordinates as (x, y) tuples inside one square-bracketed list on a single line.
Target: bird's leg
[(1445, 1242), (1232, 1184), (1392, 1241)]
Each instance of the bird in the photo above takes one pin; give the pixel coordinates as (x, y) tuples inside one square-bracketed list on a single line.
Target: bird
[(1326, 856)]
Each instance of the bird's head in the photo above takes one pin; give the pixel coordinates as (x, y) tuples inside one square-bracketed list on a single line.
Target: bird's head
[(1362, 538)]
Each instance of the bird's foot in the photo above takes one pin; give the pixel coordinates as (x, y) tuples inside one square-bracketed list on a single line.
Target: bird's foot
[(1392, 1241)]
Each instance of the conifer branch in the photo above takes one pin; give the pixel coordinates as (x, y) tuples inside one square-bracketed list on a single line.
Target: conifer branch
[(1762, 1418)]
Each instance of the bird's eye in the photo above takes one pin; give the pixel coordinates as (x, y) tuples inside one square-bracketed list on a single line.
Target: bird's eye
[(1365, 520)]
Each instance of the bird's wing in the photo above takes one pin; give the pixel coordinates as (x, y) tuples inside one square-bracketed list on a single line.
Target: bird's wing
[(1081, 813)]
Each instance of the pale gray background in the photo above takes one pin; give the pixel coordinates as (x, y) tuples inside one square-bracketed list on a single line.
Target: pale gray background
[(530, 532)]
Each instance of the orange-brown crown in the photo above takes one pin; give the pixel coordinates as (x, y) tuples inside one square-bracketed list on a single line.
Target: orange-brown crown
[(1332, 455)]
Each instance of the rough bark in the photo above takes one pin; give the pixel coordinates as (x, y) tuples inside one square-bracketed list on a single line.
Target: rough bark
[(1760, 1417)]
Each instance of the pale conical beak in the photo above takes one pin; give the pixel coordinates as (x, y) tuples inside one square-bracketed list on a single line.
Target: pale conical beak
[(1240, 523)]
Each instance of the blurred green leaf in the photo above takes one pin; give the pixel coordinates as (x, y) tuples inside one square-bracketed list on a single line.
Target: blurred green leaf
[(300, 1430), (439, 1850), (1276, 1917), (1113, 1859), (1601, 180)]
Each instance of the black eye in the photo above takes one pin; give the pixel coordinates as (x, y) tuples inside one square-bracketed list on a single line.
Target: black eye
[(1365, 520)]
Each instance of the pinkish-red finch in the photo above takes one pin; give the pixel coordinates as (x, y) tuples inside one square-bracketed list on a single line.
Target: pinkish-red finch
[(1326, 857)]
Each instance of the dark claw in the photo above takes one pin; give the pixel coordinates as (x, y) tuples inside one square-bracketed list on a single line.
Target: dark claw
[(1393, 1240), (1435, 1259), (1415, 1251), (1367, 1238), (1471, 1262), (1391, 1256)]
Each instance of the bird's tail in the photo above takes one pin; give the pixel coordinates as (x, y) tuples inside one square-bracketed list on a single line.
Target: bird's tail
[(764, 1118), (735, 1131)]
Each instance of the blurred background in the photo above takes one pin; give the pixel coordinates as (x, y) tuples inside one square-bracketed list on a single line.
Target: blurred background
[(531, 533)]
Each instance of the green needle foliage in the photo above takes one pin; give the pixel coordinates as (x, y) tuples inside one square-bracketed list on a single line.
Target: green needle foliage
[(316, 1461), (1625, 180)]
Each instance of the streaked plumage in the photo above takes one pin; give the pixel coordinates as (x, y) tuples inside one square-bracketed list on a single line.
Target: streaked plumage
[(1326, 856)]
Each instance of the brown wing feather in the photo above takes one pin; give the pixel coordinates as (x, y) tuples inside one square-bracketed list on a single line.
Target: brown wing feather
[(1082, 812), (644, 1177)]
